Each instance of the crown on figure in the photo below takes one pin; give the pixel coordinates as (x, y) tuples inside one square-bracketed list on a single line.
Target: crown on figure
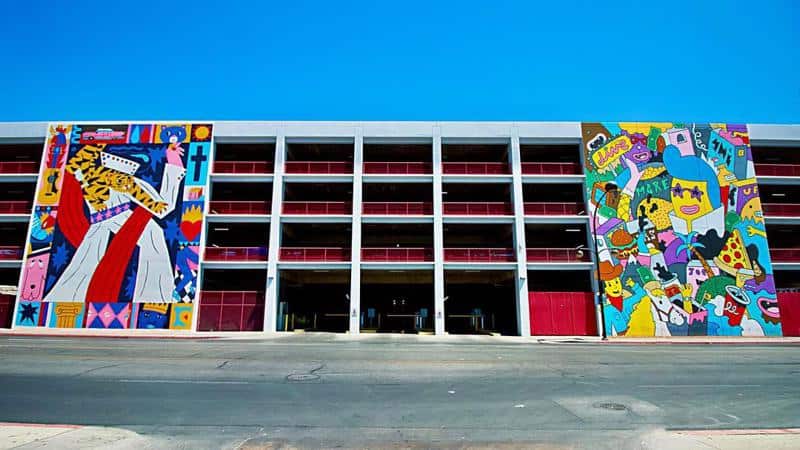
[(157, 307), (119, 163)]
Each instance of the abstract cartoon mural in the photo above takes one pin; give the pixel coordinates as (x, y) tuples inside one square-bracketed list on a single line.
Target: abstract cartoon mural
[(115, 231), (681, 240)]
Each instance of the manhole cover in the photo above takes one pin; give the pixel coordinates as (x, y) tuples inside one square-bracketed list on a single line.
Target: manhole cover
[(302, 377), (610, 406)]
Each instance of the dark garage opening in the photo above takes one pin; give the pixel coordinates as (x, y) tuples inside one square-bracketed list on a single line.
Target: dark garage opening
[(480, 302), (314, 300), (397, 301)]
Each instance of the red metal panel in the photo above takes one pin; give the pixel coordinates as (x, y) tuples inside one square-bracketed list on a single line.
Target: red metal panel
[(18, 167), (231, 311), (15, 207), (781, 209), (789, 305), (785, 254), (779, 170), (10, 252), (562, 314), (6, 310)]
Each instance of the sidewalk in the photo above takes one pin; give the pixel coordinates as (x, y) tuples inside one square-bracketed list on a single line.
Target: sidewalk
[(68, 437), (377, 337)]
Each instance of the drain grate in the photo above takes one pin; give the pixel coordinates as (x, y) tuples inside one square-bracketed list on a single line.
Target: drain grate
[(610, 406)]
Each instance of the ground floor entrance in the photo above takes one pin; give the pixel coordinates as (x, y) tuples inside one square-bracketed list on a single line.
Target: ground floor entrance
[(397, 301), (480, 302), (314, 300)]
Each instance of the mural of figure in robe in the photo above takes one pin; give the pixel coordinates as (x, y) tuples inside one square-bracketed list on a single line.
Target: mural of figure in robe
[(119, 233), (685, 246)]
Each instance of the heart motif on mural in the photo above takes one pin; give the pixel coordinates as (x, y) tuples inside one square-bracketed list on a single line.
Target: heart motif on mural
[(190, 230)]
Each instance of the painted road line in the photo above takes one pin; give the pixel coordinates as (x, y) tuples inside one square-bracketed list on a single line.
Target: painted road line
[(685, 386), (181, 381)]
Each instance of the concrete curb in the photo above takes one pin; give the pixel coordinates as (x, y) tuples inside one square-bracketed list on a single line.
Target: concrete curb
[(367, 337)]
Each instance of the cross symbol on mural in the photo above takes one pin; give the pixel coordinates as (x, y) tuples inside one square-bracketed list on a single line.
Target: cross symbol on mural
[(198, 159)]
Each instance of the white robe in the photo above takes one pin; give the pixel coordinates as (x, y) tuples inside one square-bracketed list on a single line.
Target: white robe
[(155, 279)]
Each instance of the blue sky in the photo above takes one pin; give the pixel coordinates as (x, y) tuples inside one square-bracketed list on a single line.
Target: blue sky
[(409, 60)]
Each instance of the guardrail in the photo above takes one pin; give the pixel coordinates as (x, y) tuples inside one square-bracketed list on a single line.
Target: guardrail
[(239, 207), (397, 254), (551, 168), (475, 168), (479, 255), (320, 208), (555, 255), (553, 209), (397, 208), (398, 168), (315, 254), (319, 167), (236, 254), (243, 167), (477, 208)]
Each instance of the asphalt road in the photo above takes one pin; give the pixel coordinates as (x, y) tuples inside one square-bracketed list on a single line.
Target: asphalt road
[(312, 391)]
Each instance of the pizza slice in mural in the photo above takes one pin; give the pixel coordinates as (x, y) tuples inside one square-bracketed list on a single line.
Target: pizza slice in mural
[(677, 218), (113, 231)]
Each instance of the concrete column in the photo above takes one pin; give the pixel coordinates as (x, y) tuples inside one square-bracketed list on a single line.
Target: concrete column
[(438, 235), (203, 236), (274, 243), (523, 310), (355, 269)]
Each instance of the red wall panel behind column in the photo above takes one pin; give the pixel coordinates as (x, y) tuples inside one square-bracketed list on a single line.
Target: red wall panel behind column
[(562, 314)]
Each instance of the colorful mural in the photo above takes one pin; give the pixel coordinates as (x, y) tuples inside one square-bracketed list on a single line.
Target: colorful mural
[(116, 229), (680, 234)]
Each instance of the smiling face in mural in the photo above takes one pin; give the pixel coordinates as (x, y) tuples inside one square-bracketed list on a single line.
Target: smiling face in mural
[(613, 287), (639, 153), (690, 198)]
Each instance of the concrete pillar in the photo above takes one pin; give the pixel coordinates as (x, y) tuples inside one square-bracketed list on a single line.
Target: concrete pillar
[(274, 243), (438, 235), (355, 269), (523, 310)]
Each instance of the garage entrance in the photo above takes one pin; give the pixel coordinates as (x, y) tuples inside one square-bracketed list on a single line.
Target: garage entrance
[(480, 302), (397, 301), (314, 300)]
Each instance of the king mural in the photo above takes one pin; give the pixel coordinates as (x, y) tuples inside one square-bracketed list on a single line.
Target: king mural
[(682, 246), (115, 231)]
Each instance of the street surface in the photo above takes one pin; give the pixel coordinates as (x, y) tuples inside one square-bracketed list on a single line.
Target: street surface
[(395, 391)]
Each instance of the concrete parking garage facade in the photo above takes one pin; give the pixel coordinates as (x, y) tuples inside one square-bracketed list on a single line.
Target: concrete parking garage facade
[(459, 213)]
